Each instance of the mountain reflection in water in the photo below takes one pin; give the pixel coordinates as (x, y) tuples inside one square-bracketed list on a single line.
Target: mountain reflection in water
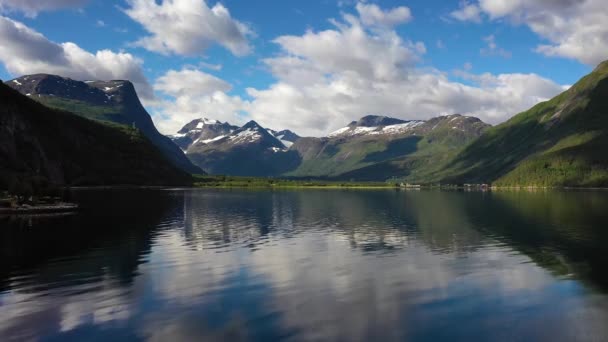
[(309, 265)]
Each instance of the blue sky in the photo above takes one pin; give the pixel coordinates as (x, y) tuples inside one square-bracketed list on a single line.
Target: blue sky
[(234, 66)]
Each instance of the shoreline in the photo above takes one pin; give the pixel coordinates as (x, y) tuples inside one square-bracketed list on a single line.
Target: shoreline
[(41, 209)]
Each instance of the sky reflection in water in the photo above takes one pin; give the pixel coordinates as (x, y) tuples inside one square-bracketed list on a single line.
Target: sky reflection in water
[(309, 265)]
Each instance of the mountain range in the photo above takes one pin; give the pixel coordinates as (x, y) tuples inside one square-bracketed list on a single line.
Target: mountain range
[(559, 142), (372, 148), (250, 150)]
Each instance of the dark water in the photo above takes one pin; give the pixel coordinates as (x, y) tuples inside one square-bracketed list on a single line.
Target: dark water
[(309, 265)]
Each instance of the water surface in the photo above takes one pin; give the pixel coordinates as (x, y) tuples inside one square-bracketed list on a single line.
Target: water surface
[(175, 265)]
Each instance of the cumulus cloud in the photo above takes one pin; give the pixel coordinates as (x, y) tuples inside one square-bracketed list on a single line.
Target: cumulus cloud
[(25, 51), (467, 12), (373, 15), (188, 27), (32, 7), (190, 82), (195, 94), (329, 78), (325, 79), (575, 29)]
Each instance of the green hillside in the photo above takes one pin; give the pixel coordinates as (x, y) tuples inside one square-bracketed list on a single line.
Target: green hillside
[(383, 156), (39, 145), (107, 101), (561, 142)]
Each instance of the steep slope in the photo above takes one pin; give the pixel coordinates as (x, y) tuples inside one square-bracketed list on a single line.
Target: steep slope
[(378, 148), (111, 101), (561, 142), (43, 145), (247, 151)]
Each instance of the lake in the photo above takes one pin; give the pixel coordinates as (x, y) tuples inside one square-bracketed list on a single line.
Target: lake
[(339, 265)]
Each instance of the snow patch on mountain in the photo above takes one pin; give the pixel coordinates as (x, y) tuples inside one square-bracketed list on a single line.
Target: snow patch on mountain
[(246, 136), (207, 141), (376, 130)]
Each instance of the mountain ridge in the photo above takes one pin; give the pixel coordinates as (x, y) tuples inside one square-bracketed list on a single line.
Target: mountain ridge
[(113, 101), (321, 157), (559, 142), (85, 153)]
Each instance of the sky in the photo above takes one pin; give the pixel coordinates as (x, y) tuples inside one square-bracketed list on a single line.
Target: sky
[(312, 66)]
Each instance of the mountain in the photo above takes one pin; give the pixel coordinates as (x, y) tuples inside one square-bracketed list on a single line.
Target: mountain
[(286, 136), (561, 142), (201, 130), (108, 101), (250, 150), (42, 145), (379, 147)]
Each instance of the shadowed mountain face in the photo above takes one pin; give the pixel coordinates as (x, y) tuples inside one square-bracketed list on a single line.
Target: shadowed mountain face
[(111, 101), (39, 145), (561, 142)]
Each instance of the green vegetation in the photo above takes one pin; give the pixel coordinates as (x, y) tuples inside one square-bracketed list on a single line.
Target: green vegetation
[(205, 181), (560, 142), (100, 113), (375, 157), (45, 148), (122, 108)]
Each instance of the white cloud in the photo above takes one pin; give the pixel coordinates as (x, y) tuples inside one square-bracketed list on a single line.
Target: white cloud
[(188, 27), (31, 8), (573, 28), (467, 12), (351, 48), (329, 78), (190, 82), (325, 79), (25, 51), (195, 94), (493, 49), (372, 15)]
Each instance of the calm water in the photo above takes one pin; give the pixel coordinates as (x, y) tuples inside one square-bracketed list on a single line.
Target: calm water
[(309, 265)]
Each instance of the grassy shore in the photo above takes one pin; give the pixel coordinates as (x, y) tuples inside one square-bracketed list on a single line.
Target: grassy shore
[(255, 182)]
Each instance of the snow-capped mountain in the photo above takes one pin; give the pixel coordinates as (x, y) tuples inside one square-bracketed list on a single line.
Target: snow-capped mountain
[(286, 136), (376, 125), (380, 147), (381, 125), (371, 141), (201, 130), (225, 149)]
